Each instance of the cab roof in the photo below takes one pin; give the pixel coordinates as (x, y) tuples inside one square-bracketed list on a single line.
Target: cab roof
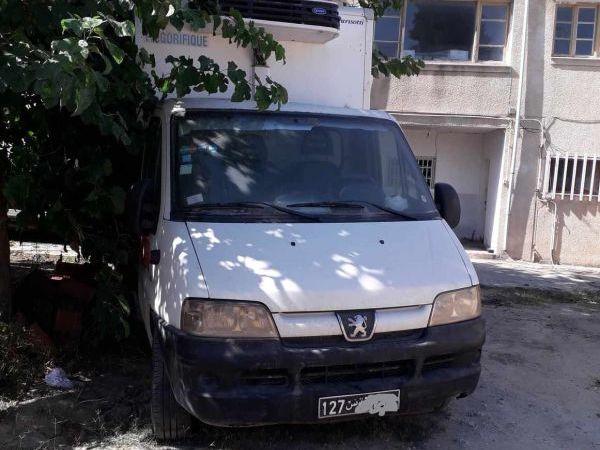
[(171, 106)]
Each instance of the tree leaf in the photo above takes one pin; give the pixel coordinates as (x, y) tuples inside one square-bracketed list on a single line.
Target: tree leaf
[(117, 195), (74, 25), (89, 23), (115, 51), (84, 97), (125, 28), (279, 53)]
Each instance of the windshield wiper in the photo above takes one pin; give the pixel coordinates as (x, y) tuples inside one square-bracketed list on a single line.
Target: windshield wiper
[(223, 205), (326, 205), (352, 204), (390, 210), (259, 205), (290, 211)]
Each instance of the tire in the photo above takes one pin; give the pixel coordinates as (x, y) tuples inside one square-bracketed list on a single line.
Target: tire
[(443, 406), (170, 421), (134, 307)]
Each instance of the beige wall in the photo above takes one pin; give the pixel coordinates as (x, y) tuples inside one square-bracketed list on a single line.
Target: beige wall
[(442, 89), (562, 94), (481, 89)]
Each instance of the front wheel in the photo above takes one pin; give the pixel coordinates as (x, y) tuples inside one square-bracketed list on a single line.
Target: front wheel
[(169, 420), (443, 406)]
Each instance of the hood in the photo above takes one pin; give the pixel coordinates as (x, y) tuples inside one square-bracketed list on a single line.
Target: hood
[(304, 267)]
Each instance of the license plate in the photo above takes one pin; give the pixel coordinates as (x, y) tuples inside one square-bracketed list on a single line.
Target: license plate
[(355, 404)]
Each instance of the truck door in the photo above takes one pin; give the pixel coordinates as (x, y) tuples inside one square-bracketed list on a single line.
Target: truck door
[(151, 169)]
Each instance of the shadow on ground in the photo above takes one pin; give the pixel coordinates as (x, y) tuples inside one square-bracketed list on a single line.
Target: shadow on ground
[(540, 389), (112, 411)]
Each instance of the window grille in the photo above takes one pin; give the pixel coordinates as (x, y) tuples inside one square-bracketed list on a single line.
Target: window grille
[(574, 177), (427, 166)]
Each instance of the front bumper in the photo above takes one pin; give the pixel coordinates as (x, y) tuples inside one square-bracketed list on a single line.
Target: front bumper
[(230, 382)]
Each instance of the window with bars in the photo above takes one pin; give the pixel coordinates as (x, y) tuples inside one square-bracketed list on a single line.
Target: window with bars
[(427, 166), (445, 30), (572, 177), (575, 30)]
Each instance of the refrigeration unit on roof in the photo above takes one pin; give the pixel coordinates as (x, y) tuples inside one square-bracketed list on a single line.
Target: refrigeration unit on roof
[(312, 21)]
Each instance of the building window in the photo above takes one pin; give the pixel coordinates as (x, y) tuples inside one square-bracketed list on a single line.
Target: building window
[(492, 32), (572, 176), (387, 33), (443, 30), (575, 31), (427, 166)]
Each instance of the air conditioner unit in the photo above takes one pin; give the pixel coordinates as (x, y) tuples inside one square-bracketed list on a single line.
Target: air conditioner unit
[(311, 21)]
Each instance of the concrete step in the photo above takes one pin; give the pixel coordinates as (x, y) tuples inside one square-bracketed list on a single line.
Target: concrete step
[(475, 254)]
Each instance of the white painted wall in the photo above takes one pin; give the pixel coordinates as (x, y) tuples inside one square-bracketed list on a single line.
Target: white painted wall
[(493, 145), (463, 160)]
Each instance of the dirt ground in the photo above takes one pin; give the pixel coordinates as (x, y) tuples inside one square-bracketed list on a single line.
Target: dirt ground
[(540, 389)]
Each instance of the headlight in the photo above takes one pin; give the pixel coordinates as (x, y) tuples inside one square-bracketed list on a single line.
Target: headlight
[(231, 319), (456, 306)]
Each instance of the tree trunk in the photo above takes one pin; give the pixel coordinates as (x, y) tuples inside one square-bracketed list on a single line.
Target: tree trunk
[(5, 294)]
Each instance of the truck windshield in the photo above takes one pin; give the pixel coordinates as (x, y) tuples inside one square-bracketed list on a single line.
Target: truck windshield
[(295, 167)]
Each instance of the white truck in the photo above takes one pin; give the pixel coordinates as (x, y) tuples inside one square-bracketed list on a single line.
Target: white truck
[(296, 267)]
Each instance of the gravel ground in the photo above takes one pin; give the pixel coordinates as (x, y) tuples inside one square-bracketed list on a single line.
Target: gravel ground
[(540, 389)]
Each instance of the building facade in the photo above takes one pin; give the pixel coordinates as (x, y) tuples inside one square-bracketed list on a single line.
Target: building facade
[(507, 110)]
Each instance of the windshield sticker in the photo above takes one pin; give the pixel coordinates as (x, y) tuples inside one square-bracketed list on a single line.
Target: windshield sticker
[(198, 198), (397, 202), (185, 169), (187, 149), (197, 147), (186, 158)]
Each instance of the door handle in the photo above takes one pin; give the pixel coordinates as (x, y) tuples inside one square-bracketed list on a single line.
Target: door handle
[(149, 256), (154, 257)]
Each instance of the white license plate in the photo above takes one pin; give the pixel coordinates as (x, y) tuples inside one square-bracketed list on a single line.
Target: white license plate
[(354, 404)]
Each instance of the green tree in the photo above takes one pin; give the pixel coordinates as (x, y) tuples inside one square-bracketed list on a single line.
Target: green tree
[(76, 102)]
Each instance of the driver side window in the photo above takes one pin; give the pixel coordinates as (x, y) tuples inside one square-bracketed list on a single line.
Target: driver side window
[(151, 160)]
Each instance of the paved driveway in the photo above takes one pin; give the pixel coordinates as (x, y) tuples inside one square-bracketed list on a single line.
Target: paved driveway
[(503, 273)]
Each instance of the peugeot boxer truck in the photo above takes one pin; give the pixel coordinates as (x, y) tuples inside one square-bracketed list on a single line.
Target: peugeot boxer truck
[(296, 267)]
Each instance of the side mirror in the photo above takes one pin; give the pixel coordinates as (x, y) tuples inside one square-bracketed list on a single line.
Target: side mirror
[(447, 203), (141, 208)]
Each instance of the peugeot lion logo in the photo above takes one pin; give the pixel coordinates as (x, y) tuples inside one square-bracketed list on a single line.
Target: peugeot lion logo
[(360, 326), (357, 325)]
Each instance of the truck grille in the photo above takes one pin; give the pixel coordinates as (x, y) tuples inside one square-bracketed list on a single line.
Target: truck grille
[(266, 377), (450, 361), (360, 372), (357, 372), (306, 12), (339, 341)]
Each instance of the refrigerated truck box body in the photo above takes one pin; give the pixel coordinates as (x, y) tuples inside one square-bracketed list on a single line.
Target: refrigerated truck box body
[(336, 72)]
